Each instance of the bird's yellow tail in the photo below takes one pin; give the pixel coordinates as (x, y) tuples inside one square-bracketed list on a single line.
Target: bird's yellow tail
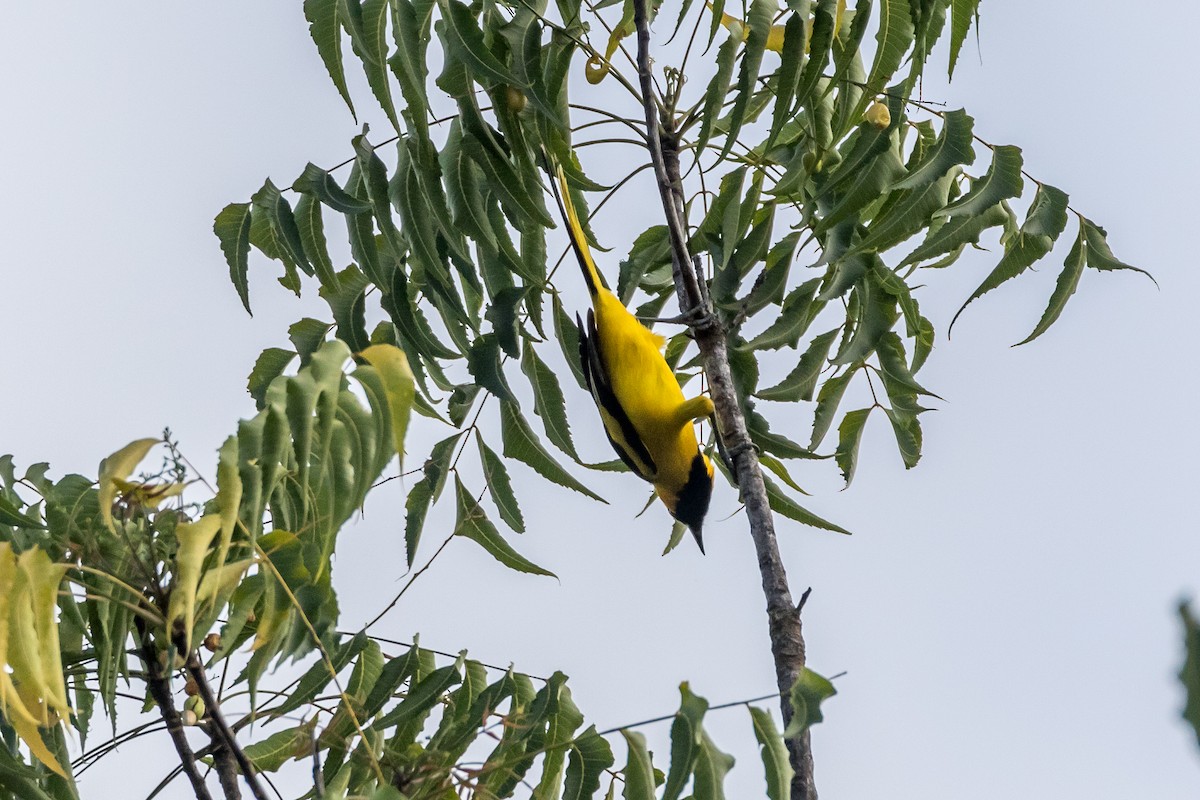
[(578, 239)]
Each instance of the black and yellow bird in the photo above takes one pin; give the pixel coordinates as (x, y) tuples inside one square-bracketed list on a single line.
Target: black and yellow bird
[(646, 417)]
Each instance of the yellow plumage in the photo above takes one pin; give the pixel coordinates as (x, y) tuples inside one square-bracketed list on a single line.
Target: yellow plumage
[(645, 414)]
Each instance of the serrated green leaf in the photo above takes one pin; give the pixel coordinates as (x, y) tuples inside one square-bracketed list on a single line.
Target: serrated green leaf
[(894, 364), (907, 428), (954, 146), (473, 524), (799, 309), (774, 754), (806, 696), (425, 492), (1045, 222), (818, 51), (1189, 673), (961, 14), (470, 47), (319, 675), (326, 32), (349, 306), (312, 237), (271, 753), (791, 64), (893, 38), (521, 443), (1099, 255), (484, 364), (718, 87), (567, 336), (589, 757), (686, 734), (711, 767), (1002, 181), (11, 515), (638, 772), (495, 474), (232, 227), (321, 185), (953, 234), (270, 364), (782, 504), (801, 382), (827, 403), (849, 438), (548, 400), (422, 696), (762, 12), (1064, 287)]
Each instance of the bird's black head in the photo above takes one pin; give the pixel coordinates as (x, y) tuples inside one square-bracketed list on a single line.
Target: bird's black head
[(691, 504)]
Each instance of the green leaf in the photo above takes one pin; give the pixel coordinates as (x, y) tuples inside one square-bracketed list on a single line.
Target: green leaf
[(271, 753), (782, 504), (349, 306), (1068, 281), (473, 524), (908, 435), (893, 38), (1002, 181), (685, 741), (11, 515), (372, 47), (718, 87), (326, 32), (1045, 222), (425, 492), (954, 146), (312, 237), (270, 365), (806, 696), (568, 339), (483, 362), (762, 12), (589, 757), (521, 443), (711, 767), (799, 309), (774, 754), (1099, 255), (953, 234), (849, 437), (469, 46), (818, 52), (424, 695), (495, 474), (827, 403), (319, 675), (548, 400), (686, 733), (232, 227), (1189, 674), (801, 382), (321, 185), (638, 772), (961, 14), (894, 364), (791, 62)]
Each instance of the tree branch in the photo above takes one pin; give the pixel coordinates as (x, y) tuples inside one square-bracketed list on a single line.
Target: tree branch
[(160, 689), (787, 640), (221, 731)]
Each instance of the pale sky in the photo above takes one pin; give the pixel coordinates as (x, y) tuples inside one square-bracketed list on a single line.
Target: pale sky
[(1004, 612)]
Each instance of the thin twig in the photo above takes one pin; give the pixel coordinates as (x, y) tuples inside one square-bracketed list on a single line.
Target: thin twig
[(221, 729), (787, 641), (160, 689)]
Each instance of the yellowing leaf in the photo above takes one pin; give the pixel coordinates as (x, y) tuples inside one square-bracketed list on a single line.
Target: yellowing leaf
[(392, 365), (229, 493), (148, 495), (116, 467), (225, 578), (194, 541), (31, 681)]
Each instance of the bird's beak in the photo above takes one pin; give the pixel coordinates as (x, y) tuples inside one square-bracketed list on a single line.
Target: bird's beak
[(695, 529)]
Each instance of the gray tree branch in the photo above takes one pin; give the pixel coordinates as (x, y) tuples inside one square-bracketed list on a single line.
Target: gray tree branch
[(783, 620)]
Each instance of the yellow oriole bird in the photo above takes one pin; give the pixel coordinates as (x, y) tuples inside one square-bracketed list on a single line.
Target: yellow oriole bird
[(645, 415)]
